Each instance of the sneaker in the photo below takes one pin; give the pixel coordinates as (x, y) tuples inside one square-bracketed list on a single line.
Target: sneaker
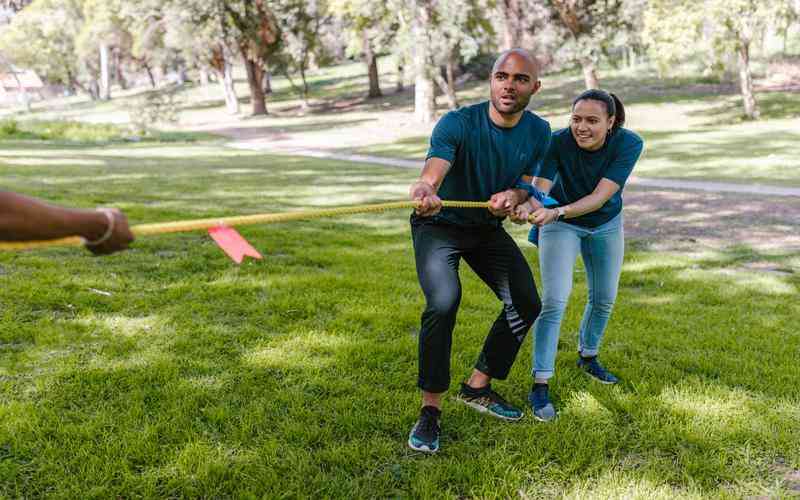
[(485, 400), (539, 399), (424, 435), (594, 369)]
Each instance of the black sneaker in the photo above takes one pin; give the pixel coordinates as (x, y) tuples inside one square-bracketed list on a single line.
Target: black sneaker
[(485, 400), (424, 435), (594, 369)]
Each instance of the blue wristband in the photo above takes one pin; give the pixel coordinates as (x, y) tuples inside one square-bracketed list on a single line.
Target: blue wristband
[(537, 195)]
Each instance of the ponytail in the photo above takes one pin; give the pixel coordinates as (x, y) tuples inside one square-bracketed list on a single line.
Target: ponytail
[(614, 106)]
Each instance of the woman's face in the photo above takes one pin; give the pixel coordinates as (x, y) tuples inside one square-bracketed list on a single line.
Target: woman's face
[(590, 124)]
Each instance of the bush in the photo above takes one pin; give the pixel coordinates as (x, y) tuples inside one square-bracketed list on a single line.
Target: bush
[(9, 128)]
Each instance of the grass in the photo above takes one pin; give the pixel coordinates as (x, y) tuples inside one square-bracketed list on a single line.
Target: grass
[(87, 133), (167, 371)]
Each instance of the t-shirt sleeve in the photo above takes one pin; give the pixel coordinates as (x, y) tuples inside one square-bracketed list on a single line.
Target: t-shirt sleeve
[(621, 167), (549, 165), (543, 144), (446, 138)]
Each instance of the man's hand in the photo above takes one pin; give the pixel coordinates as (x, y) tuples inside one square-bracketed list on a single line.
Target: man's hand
[(425, 194), (504, 202), (544, 216), (120, 236)]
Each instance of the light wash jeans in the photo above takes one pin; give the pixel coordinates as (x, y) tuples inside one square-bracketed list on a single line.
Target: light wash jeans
[(602, 249)]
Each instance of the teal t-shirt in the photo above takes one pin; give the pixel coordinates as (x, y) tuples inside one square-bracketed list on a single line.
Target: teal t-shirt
[(484, 159), (577, 172)]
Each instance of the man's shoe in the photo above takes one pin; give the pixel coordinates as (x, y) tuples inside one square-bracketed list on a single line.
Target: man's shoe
[(594, 369), (539, 399), (424, 435), (485, 400)]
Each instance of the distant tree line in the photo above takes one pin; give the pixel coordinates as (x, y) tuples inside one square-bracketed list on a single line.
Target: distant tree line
[(91, 45)]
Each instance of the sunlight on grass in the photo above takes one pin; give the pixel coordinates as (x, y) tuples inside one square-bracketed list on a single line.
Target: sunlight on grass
[(28, 161), (741, 280), (310, 350), (585, 405), (621, 484)]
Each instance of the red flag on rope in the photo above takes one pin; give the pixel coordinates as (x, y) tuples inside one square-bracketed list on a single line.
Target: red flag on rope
[(233, 243)]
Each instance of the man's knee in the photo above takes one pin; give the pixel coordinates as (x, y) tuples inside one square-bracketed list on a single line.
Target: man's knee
[(443, 304)]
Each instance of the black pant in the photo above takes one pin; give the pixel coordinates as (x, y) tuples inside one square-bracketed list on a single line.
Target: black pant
[(498, 261)]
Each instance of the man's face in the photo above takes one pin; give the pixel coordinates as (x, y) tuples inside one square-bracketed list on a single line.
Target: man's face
[(513, 83)]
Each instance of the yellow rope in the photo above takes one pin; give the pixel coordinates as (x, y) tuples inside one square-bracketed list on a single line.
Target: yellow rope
[(241, 220)]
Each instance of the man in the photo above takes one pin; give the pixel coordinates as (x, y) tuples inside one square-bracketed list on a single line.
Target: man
[(477, 153), (22, 218)]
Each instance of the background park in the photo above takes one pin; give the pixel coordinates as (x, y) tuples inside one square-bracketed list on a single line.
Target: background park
[(168, 371)]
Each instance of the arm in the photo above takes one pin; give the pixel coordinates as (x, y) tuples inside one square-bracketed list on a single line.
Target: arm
[(23, 218), (424, 190), (602, 193)]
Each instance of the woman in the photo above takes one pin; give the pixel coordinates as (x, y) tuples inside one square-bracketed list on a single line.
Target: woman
[(585, 171)]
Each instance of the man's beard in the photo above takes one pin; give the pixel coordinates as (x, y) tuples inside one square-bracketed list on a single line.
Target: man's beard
[(519, 105)]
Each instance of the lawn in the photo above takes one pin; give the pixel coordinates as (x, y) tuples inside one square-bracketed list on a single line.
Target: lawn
[(167, 371)]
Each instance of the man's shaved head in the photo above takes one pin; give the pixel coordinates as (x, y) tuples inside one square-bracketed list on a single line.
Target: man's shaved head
[(530, 62), (514, 79)]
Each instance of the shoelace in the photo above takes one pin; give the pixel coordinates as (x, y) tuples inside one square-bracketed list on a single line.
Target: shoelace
[(428, 423)]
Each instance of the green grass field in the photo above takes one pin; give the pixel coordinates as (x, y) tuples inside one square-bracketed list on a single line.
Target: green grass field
[(167, 371)]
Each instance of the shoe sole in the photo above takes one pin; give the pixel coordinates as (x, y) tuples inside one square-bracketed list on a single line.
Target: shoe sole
[(421, 449), (540, 419), (604, 382), (485, 411)]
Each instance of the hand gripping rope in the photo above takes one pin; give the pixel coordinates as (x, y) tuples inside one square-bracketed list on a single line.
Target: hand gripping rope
[(242, 220)]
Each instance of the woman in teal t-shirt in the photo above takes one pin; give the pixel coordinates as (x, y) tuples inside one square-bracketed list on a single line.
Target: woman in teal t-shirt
[(585, 171)]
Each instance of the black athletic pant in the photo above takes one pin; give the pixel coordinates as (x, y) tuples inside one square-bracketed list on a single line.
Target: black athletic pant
[(498, 261)]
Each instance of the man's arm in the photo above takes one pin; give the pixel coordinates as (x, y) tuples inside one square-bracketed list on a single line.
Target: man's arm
[(424, 190), (24, 218)]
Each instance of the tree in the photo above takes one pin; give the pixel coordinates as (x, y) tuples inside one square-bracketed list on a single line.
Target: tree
[(42, 37), (258, 38), (371, 28), (592, 26), (719, 28), (300, 22)]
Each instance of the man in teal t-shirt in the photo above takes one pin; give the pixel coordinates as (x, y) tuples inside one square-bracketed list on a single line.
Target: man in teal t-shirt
[(476, 153)]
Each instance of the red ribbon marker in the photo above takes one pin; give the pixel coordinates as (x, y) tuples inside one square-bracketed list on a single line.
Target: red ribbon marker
[(230, 241)]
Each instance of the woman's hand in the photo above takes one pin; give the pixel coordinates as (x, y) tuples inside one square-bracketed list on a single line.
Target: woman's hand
[(544, 216), (521, 213)]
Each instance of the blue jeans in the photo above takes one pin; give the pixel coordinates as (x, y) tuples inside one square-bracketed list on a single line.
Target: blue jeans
[(602, 249)]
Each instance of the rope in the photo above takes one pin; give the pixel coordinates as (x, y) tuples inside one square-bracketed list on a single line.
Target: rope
[(241, 220)]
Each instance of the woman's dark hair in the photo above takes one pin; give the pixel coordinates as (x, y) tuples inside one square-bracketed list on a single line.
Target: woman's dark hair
[(613, 104)]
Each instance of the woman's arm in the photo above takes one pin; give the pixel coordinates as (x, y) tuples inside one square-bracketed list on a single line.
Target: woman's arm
[(602, 193)]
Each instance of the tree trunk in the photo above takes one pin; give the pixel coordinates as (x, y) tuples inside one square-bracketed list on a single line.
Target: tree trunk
[(226, 80), (203, 77), (511, 13), (424, 97), (105, 74), (399, 86), (150, 75), (267, 82), (589, 73), (119, 76), (255, 78), (447, 83), (746, 81), (372, 65)]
